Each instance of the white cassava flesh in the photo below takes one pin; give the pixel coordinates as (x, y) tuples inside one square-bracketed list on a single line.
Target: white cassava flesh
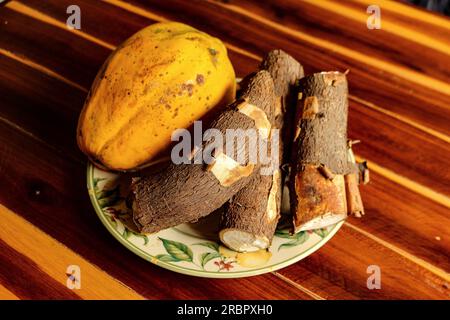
[(323, 221), (227, 170), (272, 206), (262, 123), (242, 241)]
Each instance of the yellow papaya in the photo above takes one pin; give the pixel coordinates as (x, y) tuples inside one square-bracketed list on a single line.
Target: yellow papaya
[(162, 78)]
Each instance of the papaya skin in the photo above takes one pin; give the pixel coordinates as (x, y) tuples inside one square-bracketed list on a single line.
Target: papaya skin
[(161, 79)]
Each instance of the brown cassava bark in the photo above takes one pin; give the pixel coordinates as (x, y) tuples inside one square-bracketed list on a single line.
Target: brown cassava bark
[(186, 192), (320, 155), (255, 210)]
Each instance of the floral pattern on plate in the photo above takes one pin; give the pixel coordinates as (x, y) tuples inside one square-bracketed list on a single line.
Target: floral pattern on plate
[(194, 249)]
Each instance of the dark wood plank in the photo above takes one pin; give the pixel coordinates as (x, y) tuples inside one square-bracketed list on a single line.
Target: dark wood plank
[(385, 139), (62, 209), (392, 93), (41, 105), (24, 278), (400, 147), (73, 57), (323, 286), (407, 11), (344, 261), (407, 220), (334, 26), (395, 220), (405, 152), (121, 24)]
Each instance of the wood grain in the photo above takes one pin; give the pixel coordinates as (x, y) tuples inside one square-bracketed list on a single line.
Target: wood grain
[(401, 148), (399, 108), (51, 47), (407, 220), (393, 93), (31, 99), (344, 263), (5, 294), (76, 225), (25, 278), (416, 172), (432, 23), (39, 247)]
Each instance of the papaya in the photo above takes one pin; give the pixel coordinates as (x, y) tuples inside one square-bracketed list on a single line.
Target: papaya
[(162, 78)]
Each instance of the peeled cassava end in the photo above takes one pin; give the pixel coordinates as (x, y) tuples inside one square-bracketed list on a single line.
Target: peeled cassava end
[(161, 79), (321, 221), (262, 123), (228, 171), (243, 241), (320, 201), (187, 192), (250, 222)]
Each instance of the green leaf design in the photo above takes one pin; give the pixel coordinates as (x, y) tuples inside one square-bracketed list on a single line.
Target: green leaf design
[(302, 236), (298, 239), (108, 202), (211, 245), (323, 232), (287, 235), (108, 193), (127, 232), (113, 221), (96, 181), (178, 250), (166, 258), (208, 256), (108, 198), (142, 236)]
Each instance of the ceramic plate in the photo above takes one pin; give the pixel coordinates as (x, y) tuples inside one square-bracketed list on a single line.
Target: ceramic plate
[(194, 249)]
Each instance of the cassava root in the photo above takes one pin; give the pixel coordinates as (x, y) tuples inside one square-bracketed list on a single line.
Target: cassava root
[(250, 217), (186, 192), (323, 181)]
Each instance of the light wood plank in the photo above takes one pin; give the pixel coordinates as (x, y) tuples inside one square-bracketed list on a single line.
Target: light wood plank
[(54, 258), (5, 294)]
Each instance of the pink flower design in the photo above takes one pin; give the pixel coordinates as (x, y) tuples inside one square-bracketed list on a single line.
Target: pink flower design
[(227, 266), (224, 265)]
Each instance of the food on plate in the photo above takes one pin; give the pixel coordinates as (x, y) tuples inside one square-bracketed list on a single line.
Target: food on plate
[(323, 181), (162, 78), (188, 191), (251, 216), (169, 75)]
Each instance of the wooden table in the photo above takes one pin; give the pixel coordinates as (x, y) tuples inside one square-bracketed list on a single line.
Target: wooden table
[(399, 108)]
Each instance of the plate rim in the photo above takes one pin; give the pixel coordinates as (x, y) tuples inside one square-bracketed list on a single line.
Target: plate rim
[(198, 273)]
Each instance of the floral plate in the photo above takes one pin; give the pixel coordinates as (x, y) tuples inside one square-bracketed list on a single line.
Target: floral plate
[(194, 249)]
